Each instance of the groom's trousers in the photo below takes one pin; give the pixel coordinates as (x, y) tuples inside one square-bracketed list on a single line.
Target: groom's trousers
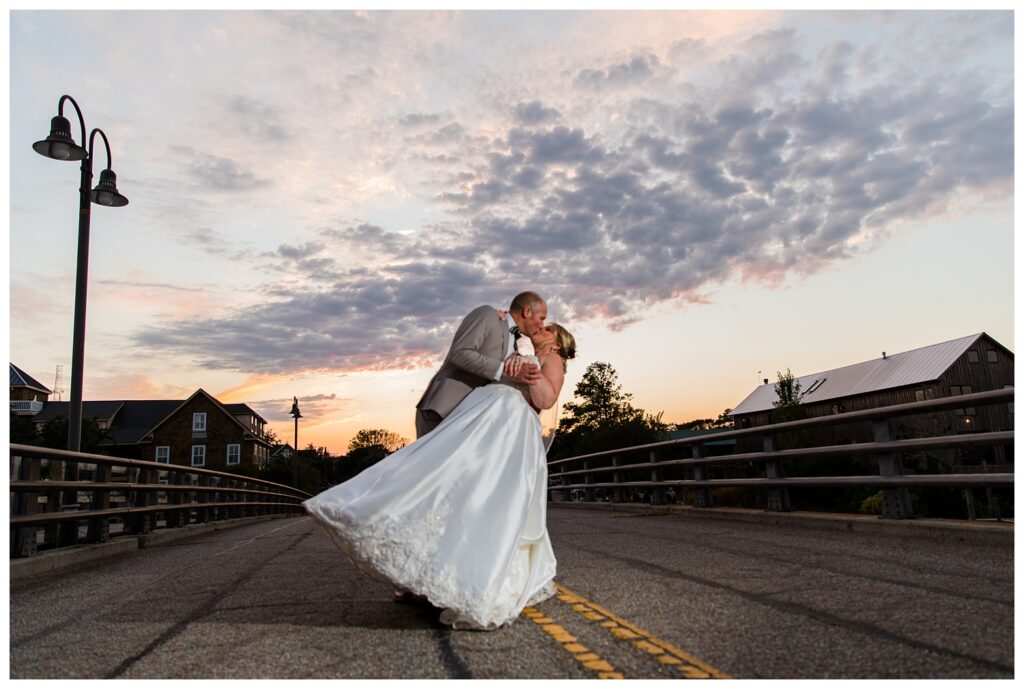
[(426, 421)]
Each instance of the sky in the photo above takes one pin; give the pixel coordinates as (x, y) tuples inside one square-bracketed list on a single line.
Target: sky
[(318, 197)]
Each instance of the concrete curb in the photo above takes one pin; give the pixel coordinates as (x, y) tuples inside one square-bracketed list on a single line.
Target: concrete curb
[(996, 533), (63, 558)]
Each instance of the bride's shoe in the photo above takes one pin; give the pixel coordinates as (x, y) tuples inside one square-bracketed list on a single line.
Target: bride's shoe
[(409, 598)]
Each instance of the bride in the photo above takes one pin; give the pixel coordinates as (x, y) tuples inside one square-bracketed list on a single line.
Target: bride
[(459, 516)]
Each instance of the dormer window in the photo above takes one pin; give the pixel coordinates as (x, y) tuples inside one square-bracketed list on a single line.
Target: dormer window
[(199, 422)]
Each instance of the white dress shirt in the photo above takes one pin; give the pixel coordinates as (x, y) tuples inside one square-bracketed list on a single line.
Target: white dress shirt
[(510, 323)]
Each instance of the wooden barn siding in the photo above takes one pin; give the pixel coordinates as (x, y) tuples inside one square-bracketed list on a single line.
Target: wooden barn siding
[(981, 376)]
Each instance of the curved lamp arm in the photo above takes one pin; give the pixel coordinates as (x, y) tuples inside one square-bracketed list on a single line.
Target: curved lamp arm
[(81, 119), (106, 144)]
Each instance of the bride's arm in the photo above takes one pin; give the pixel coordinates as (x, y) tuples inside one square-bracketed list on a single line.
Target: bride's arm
[(544, 393)]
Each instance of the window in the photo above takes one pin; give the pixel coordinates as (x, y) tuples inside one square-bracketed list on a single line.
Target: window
[(967, 390), (199, 455), (919, 395), (163, 454), (962, 390), (234, 454), (992, 358), (972, 356), (199, 421)]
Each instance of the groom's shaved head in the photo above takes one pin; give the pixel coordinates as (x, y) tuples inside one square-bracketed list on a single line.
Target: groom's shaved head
[(528, 310)]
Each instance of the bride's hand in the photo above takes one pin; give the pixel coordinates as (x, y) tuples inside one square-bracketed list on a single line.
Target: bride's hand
[(502, 314)]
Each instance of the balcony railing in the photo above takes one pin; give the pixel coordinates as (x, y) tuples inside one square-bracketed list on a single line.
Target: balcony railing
[(61, 498), (26, 406), (643, 467)]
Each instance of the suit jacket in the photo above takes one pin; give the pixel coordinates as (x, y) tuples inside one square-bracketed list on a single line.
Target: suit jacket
[(475, 355)]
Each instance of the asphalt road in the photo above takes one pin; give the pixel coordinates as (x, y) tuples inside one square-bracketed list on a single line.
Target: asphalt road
[(642, 596)]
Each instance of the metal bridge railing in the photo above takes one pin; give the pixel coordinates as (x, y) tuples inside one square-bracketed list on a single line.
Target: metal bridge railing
[(616, 470), (131, 495)]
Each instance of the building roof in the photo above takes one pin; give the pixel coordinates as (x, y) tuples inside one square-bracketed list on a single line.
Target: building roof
[(103, 411), (20, 379), (135, 418), (241, 408), (893, 371), (138, 418)]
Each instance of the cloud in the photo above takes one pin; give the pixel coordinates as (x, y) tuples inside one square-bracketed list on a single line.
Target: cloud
[(312, 407), (209, 172), (149, 285), (534, 112), (256, 119), (769, 161), (636, 71)]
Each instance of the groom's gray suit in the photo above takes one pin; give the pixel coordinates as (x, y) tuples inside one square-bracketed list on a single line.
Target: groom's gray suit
[(475, 357)]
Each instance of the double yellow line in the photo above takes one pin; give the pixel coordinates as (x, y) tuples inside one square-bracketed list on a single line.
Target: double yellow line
[(663, 652)]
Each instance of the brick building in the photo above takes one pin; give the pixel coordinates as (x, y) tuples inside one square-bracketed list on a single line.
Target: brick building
[(199, 431)]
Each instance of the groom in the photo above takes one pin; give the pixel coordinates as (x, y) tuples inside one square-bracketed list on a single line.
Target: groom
[(477, 357)]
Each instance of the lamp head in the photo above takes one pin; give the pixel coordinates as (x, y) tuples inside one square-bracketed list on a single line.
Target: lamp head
[(105, 193), (59, 145)]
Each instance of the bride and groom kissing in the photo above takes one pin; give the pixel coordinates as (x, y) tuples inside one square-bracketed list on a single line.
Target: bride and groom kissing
[(423, 518)]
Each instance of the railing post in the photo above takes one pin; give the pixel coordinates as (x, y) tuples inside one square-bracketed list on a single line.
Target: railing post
[(203, 513), (588, 494), (178, 517), (144, 498), (896, 504), (702, 494), (969, 497), (67, 532), (778, 496), (99, 527), (616, 478), (658, 493), (23, 538)]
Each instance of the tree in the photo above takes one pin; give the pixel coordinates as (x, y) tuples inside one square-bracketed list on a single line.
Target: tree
[(787, 406), (369, 446), (370, 437), (724, 420), (604, 417), (54, 434), (23, 430)]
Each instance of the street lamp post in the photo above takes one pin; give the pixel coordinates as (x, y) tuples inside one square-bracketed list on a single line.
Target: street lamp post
[(59, 145), (295, 455)]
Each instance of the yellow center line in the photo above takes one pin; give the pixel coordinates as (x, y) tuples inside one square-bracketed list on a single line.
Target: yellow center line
[(583, 655), (667, 654)]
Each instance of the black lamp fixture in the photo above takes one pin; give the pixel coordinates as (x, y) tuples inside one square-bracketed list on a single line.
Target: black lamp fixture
[(296, 414), (60, 145)]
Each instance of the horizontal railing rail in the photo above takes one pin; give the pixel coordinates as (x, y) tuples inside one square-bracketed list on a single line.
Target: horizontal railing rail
[(54, 512), (594, 469)]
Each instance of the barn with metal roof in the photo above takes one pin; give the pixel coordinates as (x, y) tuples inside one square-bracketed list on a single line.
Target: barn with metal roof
[(967, 364)]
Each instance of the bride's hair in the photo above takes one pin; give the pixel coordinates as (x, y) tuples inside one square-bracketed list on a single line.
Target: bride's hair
[(566, 342)]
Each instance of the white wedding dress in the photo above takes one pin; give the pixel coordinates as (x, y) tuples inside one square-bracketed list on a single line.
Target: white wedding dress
[(459, 516)]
